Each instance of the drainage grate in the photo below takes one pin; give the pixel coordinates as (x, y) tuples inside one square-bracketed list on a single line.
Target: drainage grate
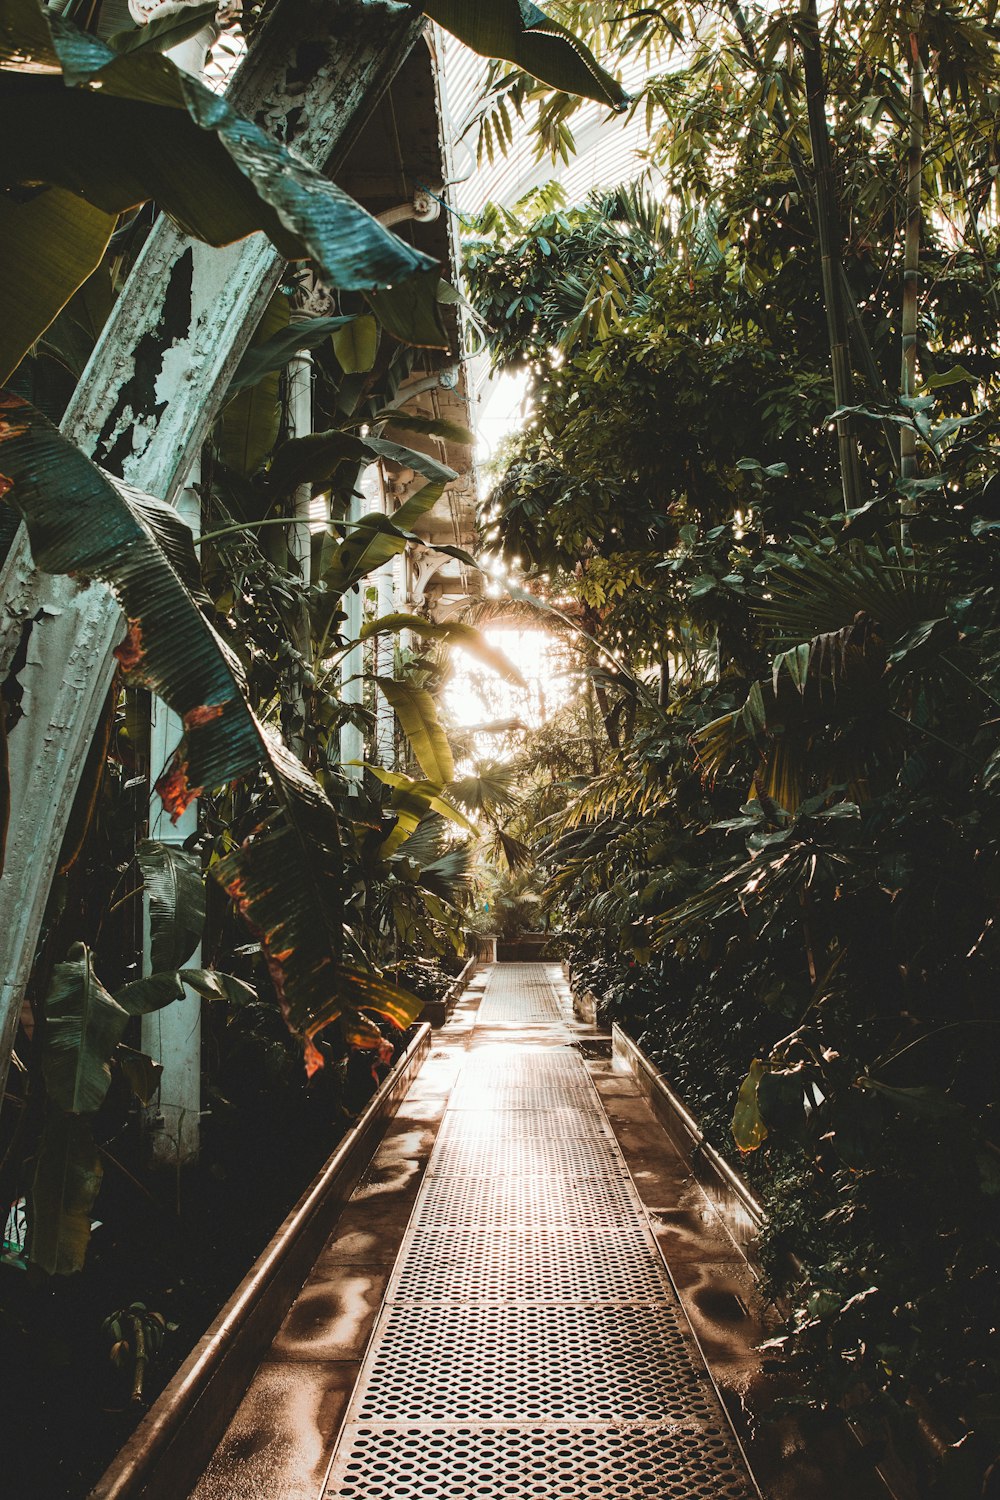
[(520, 992), (546, 1093), (521, 1124), (563, 1265), (524, 1463), (536, 1363), (496, 1202), (505, 1155)]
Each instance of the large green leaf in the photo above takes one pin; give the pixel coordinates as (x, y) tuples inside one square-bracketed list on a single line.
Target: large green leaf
[(411, 313), (248, 429), (411, 801), (398, 416), (518, 32), (66, 1182), (376, 539), (52, 240), (455, 632), (314, 458), (142, 1073), (268, 354), (118, 129), (287, 882), (176, 892), (417, 714), (164, 31), (356, 345), (83, 1026)]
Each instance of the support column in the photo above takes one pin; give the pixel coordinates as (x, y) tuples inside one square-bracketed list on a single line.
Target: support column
[(352, 740), (383, 645), (173, 1035)]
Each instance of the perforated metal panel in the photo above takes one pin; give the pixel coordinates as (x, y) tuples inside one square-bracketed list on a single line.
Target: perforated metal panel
[(563, 1265), (521, 1202), (534, 1362), (522, 1124), (497, 1155), (520, 992), (531, 1345), (523, 1463)]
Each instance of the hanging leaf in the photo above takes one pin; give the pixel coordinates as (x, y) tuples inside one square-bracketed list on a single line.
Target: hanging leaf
[(520, 33), (53, 240), (64, 1187), (452, 432), (214, 985), (749, 1130), (376, 539), (119, 128), (142, 1073), (176, 894), (83, 1026), (270, 353), (250, 422), (178, 25), (144, 996), (455, 632), (356, 345), (411, 801), (417, 714), (410, 311), (314, 459)]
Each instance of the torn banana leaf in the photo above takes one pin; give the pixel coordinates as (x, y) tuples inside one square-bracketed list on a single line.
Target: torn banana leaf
[(288, 882), (118, 128)]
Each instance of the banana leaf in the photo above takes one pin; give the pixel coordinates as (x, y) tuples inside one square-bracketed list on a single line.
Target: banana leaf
[(265, 356), (518, 32), (417, 714), (356, 345), (287, 881), (176, 892), (376, 539), (66, 1181), (250, 422), (119, 128), (455, 632), (53, 240), (83, 1026), (412, 801), (398, 416)]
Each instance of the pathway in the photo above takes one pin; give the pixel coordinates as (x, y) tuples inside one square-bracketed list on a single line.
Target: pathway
[(530, 1343)]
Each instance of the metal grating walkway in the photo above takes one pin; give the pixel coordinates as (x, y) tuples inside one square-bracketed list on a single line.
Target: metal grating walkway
[(531, 1345)]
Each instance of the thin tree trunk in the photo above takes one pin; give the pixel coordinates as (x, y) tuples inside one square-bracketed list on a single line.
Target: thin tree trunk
[(908, 464), (828, 235)]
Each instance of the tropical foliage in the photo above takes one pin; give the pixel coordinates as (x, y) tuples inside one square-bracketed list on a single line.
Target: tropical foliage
[(340, 880), (781, 873)]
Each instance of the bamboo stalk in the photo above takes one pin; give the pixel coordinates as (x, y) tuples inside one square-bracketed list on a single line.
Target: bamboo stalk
[(908, 463), (828, 235), (858, 331)]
